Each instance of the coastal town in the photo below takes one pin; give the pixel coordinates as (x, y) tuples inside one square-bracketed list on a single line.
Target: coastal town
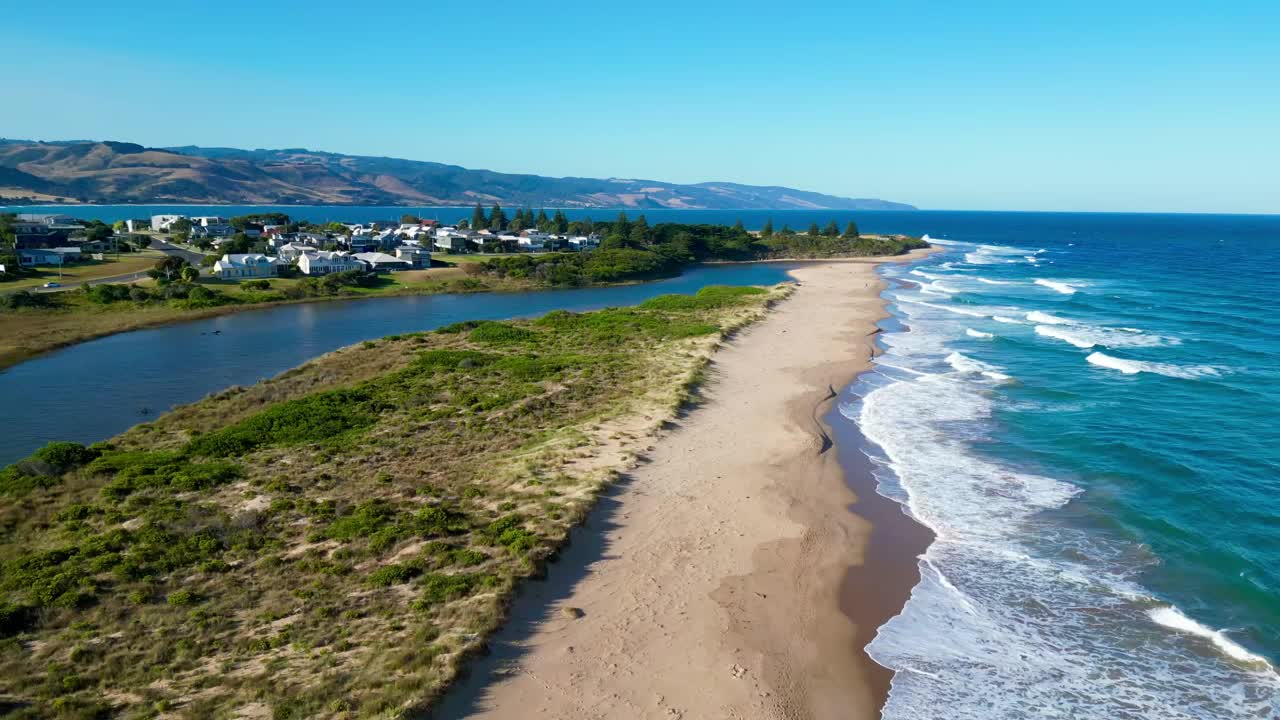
[(270, 245)]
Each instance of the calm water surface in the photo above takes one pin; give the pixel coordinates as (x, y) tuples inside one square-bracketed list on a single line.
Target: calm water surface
[(92, 391)]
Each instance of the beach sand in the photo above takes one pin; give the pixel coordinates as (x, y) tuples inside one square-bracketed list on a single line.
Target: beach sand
[(719, 578)]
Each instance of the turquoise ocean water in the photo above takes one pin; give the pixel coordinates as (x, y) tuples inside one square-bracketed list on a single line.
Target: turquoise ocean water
[(1086, 410)]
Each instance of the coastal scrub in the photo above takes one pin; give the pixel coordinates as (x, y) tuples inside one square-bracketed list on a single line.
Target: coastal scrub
[(335, 541)]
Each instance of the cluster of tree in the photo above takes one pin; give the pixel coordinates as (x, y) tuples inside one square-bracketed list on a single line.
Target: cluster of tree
[(187, 293), (496, 220), (258, 220), (600, 266), (634, 249), (331, 284)]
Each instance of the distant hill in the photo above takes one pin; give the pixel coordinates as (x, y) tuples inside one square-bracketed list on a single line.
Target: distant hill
[(116, 172)]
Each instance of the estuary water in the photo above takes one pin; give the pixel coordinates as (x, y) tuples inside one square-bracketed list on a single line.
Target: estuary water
[(1086, 411), (94, 390)]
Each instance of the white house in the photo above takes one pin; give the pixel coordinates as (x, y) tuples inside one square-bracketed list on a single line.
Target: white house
[(161, 223), (454, 240), (584, 242), (323, 262), (379, 262), (245, 266), (291, 251), (207, 220)]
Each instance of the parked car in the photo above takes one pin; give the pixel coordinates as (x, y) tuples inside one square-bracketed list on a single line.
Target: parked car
[(53, 284)]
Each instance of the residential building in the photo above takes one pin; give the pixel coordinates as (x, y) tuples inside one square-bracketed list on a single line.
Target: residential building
[(416, 255), (584, 242), (323, 262), (454, 241), (48, 256), (250, 265), (215, 230), (161, 223), (382, 262), (289, 252)]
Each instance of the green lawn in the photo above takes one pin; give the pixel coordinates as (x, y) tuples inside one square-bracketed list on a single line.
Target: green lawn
[(88, 270)]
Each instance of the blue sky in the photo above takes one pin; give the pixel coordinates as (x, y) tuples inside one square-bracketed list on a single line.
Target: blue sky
[(1168, 106)]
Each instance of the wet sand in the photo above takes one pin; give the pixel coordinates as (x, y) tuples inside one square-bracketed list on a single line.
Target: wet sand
[(715, 580)]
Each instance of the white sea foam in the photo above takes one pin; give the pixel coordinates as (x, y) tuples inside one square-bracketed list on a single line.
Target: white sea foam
[(1036, 316), (925, 275), (1017, 615), (1133, 367), (988, 281), (1057, 286), (978, 334), (1086, 337), (1171, 617), (956, 310), (965, 364), (1006, 320), (1056, 332)]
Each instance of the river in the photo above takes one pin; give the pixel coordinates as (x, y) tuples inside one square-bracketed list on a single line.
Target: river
[(95, 390)]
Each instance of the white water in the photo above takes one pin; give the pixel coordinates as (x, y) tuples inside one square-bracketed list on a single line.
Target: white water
[(1133, 367), (1057, 286), (1018, 616)]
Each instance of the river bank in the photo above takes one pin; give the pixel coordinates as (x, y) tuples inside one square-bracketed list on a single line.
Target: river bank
[(716, 582)]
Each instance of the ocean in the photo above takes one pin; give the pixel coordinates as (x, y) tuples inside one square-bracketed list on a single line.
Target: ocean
[(1085, 409)]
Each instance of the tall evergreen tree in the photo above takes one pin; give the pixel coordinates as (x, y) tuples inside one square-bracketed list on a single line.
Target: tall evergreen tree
[(737, 226), (478, 220), (561, 222), (786, 230), (813, 230), (638, 236), (497, 218), (767, 230), (851, 230), (831, 230)]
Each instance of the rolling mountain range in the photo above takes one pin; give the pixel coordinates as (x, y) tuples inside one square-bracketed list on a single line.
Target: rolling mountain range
[(116, 172)]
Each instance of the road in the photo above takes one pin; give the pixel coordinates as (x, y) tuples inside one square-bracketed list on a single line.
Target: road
[(190, 256)]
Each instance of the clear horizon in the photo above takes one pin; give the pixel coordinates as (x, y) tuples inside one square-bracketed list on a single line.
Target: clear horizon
[(1093, 108)]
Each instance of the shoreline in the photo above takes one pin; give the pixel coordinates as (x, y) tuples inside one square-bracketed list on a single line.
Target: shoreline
[(715, 579)]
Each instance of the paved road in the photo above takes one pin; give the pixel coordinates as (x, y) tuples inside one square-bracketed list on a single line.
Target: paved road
[(190, 256)]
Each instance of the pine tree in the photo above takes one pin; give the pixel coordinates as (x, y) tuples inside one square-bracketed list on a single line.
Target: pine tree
[(786, 230), (561, 222), (737, 226), (543, 223), (831, 230), (639, 234), (497, 218), (478, 220), (851, 230), (813, 230), (767, 230)]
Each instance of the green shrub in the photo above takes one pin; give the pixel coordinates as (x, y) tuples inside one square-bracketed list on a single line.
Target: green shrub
[(314, 418), (496, 333), (393, 574)]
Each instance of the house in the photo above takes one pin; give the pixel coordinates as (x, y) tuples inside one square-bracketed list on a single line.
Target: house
[(215, 230), (86, 245), (533, 240), (290, 252), (207, 220), (137, 224), (48, 256), (454, 241), (46, 219), (312, 239), (584, 242), (161, 223), (250, 265), (416, 255), (382, 262), (323, 262), (363, 242)]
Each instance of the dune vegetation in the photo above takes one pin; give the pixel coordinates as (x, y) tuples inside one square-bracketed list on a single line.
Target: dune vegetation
[(335, 541)]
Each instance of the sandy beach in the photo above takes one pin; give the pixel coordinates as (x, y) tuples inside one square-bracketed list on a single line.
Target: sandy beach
[(714, 579)]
